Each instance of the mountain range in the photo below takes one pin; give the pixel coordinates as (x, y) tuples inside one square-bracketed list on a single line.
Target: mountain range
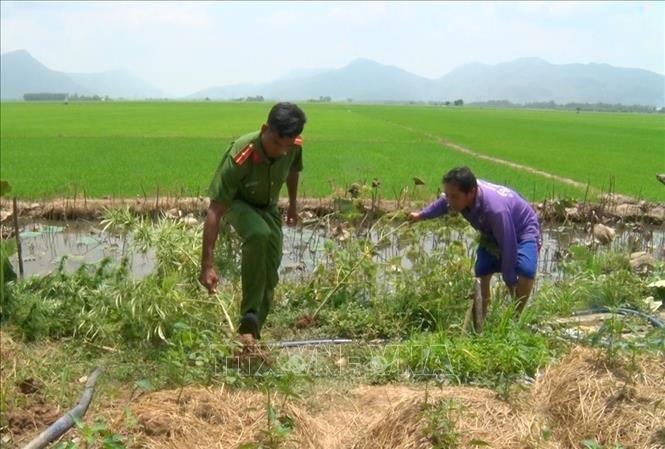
[(523, 80), (21, 73)]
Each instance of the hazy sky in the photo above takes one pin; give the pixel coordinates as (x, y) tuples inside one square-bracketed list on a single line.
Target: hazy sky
[(185, 47)]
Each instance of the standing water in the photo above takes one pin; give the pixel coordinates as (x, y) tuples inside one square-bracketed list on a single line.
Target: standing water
[(46, 244)]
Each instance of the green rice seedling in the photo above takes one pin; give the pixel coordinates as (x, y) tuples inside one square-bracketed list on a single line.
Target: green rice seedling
[(49, 150)]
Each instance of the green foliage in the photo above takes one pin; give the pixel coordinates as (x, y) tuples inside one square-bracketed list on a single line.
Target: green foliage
[(584, 259), (408, 283), (505, 350), (194, 354), (95, 436), (120, 220), (603, 278), (7, 248), (60, 304), (440, 421), (5, 188), (102, 303), (593, 444), (373, 291), (279, 424), (595, 277), (228, 252)]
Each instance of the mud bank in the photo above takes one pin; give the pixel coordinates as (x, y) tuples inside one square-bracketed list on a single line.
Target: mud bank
[(610, 208)]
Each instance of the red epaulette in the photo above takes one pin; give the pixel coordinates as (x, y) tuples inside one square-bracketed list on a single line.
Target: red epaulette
[(298, 141), (241, 157)]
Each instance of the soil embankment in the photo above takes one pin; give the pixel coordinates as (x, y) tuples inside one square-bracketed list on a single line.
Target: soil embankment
[(610, 208)]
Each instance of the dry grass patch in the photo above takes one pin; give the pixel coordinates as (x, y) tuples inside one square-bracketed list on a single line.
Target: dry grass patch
[(582, 397), (366, 417)]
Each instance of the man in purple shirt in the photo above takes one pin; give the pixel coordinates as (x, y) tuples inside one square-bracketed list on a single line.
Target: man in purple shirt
[(510, 232)]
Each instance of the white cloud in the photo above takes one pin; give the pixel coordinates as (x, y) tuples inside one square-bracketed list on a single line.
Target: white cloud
[(142, 14), (558, 8), (359, 13), (281, 19)]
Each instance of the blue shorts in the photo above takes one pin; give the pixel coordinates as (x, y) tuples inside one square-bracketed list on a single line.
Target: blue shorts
[(527, 260)]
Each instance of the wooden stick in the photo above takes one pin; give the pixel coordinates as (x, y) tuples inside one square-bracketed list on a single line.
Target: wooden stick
[(475, 311), (19, 252)]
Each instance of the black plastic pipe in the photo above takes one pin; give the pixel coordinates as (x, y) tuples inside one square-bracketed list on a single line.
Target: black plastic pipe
[(62, 425), (655, 322), (320, 342)]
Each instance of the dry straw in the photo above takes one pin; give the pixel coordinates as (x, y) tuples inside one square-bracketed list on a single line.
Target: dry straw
[(368, 417), (579, 398), (584, 398)]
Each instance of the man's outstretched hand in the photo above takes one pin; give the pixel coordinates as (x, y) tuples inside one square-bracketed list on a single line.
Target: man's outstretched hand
[(413, 217)]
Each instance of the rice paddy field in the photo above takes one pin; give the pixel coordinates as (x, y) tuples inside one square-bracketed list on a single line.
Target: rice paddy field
[(129, 149)]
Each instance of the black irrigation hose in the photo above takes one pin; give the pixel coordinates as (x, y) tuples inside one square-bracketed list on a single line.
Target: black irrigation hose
[(62, 425), (655, 322), (320, 342), (324, 342)]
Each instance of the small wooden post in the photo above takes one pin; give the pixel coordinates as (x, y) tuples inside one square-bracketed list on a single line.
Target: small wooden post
[(19, 253), (157, 200)]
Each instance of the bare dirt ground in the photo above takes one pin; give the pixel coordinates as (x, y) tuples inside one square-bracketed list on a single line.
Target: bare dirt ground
[(30, 412)]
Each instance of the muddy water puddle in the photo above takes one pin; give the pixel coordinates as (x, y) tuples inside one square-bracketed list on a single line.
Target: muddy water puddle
[(45, 245)]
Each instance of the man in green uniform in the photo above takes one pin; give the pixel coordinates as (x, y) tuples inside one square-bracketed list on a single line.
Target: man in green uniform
[(245, 190)]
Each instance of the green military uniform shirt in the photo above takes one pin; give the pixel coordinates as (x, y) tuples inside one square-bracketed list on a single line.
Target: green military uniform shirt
[(248, 184), (246, 173)]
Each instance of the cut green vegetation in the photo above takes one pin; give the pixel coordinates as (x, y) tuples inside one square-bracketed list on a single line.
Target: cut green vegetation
[(165, 333)]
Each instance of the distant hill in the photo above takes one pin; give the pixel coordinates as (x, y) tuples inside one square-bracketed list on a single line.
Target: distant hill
[(532, 79), (520, 81), (21, 73), (117, 84), (361, 80)]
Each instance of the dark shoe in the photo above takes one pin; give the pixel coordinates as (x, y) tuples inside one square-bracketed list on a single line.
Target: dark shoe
[(249, 324)]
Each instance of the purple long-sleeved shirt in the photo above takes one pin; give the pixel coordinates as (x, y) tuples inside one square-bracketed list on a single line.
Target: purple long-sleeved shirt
[(501, 213)]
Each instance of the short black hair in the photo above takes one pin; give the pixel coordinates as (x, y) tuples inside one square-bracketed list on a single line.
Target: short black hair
[(286, 119), (462, 177)]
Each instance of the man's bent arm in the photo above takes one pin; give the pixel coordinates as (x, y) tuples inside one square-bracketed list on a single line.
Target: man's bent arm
[(210, 230), (292, 187), (435, 209)]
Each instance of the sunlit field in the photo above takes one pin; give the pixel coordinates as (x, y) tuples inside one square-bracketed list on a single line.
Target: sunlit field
[(129, 149)]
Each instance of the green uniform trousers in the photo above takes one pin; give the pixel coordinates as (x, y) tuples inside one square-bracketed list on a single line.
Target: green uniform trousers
[(260, 230)]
